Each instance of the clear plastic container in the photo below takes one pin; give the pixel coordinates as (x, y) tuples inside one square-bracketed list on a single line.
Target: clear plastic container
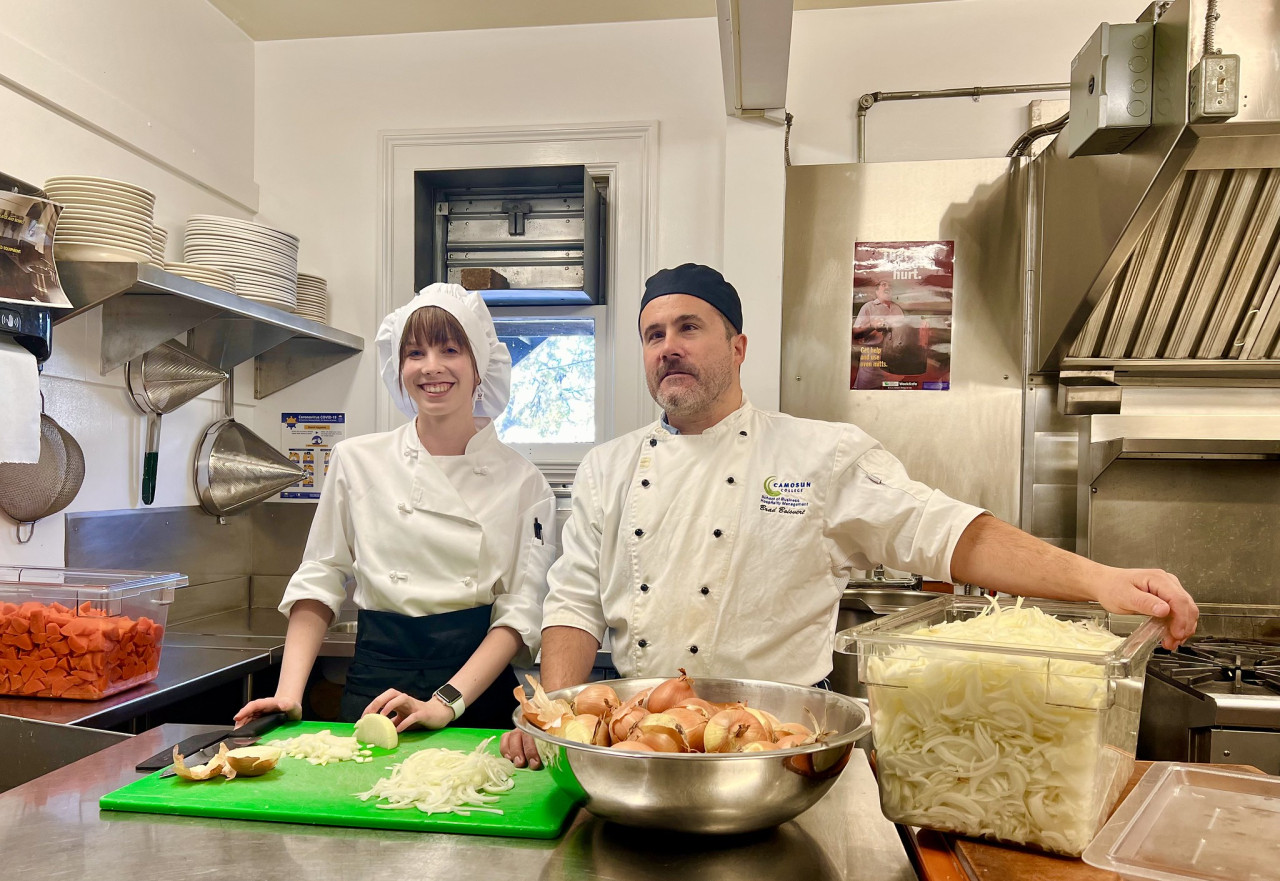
[(1193, 822), (1008, 742), (81, 634)]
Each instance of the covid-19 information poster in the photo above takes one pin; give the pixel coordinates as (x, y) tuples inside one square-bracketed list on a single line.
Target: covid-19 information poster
[(308, 439)]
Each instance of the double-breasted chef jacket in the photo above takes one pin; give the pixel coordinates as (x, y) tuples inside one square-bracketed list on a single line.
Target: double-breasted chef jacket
[(726, 553), (423, 534)]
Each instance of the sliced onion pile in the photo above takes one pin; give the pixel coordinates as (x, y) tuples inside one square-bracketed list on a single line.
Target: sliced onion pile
[(1001, 745), (441, 781), (669, 718), (323, 747)]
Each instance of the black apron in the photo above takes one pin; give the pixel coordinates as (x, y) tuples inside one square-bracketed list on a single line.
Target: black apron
[(418, 654)]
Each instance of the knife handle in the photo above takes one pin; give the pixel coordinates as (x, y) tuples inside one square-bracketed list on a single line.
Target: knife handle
[(259, 725)]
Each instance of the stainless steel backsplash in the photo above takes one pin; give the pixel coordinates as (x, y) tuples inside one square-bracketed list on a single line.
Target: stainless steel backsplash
[(245, 561)]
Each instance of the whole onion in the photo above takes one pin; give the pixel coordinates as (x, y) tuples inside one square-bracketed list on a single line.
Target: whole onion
[(729, 730), (671, 693), (597, 699)]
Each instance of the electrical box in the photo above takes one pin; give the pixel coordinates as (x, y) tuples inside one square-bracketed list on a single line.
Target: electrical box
[(1111, 89), (1214, 94)]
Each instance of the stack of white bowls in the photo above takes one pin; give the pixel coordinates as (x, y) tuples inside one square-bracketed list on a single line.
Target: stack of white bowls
[(159, 238), (263, 261), (102, 219), (313, 298), (210, 275)]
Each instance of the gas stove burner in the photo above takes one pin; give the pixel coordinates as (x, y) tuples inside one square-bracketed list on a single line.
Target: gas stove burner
[(1218, 665)]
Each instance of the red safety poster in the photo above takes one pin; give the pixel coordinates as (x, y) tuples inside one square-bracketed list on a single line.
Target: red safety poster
[(902, 298)]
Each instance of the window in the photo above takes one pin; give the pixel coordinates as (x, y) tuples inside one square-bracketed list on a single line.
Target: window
[(555, 412)]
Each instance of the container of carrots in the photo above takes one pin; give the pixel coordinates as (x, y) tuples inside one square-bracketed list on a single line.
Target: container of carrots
[(81, 634)]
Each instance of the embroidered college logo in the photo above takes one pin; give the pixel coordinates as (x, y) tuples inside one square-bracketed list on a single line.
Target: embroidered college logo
[(785, 496)]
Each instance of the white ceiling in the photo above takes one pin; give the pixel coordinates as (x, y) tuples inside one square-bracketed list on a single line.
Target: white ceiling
[(302, 19)]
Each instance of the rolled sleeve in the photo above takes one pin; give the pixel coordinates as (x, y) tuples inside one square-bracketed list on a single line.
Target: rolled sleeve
[(879, 515), (574, 582), (329, 558), (520, 607)]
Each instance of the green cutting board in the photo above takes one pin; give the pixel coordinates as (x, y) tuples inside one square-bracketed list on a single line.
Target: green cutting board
[(296, 791)]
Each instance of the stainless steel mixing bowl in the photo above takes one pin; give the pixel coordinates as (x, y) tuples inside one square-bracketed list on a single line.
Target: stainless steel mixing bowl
[(737, 792)]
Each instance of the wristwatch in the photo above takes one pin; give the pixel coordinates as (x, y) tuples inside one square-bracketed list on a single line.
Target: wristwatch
[(451, 698)]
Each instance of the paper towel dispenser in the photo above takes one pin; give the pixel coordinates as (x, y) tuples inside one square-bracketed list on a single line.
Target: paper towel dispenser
[(29, 287)]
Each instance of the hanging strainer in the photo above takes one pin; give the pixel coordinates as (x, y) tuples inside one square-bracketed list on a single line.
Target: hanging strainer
[(160, 382), (31, 492), (235, 469)]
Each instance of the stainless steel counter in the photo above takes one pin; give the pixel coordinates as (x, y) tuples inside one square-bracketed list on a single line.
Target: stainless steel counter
[(51, 829), (184, 671)]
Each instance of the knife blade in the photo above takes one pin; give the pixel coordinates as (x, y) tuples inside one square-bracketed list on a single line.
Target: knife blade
[(164, 758), (246, 735)]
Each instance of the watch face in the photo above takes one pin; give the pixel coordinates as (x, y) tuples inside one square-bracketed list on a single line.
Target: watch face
[(449, 694)]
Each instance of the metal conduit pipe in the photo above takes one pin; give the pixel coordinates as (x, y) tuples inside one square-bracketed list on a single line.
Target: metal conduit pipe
[(871, 99), (1035, 133)]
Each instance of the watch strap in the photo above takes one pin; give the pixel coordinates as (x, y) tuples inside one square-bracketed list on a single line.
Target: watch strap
[(458, 705)]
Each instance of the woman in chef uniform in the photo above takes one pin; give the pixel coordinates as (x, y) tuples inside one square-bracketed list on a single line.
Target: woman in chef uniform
[(441, 527)]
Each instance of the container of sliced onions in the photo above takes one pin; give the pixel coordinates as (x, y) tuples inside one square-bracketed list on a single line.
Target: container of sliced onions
[(1009, 720), (694, 755)]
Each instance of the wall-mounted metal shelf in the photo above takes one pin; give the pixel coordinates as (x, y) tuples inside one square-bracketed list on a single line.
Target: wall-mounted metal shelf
[(143, 306)]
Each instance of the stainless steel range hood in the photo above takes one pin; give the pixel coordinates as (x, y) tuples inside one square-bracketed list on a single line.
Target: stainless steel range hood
[(1165, 259)]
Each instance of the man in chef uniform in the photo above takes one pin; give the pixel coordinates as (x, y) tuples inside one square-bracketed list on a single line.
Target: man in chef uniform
[(721, 537)]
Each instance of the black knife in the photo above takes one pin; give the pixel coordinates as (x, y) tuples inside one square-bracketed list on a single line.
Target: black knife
[(195, 742), (246, 735)]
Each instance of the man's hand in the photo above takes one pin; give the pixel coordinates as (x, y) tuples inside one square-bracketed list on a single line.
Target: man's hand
[(521, 749), (1151, 592)]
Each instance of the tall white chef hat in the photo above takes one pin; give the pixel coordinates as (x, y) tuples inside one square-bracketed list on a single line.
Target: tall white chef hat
[(493, 360)]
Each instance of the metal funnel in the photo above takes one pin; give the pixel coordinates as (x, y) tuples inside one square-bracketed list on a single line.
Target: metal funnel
[(160, 382), (236, 469)]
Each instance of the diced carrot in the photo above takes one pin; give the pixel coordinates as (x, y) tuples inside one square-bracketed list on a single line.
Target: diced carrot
[(7, 608), (13, 667), (78, 644), (23, 642), (19, 624), (47, 664)]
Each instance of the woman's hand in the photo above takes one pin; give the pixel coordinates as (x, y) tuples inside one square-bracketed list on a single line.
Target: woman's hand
[(262, 706), (407, 711)]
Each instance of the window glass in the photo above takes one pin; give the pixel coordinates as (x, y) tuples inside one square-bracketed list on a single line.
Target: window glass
[(553, 380)]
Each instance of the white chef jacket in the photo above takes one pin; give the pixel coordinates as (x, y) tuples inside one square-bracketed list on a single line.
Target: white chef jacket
[(726, 553), (423, 534)]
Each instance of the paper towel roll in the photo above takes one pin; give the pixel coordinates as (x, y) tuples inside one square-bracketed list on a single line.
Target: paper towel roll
[(20, 397)]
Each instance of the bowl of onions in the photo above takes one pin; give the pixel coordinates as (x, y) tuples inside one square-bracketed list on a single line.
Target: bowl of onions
[(705, 755)]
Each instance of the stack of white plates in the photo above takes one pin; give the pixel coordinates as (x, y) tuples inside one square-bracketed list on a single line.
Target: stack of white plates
[(313, 298), (102, 219), (210, 275), (159, 238), (263, 261)]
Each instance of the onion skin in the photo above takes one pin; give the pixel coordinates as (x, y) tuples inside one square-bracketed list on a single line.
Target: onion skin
[(658, 741), (729, 730), (671, 693), (789, 728), (624, 722), (632, 746), (692, 724), (764, 719), (706, 708), (597, 699)]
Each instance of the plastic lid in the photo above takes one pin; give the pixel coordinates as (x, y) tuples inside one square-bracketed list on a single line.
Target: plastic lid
[(106, 580), (1193, 822)]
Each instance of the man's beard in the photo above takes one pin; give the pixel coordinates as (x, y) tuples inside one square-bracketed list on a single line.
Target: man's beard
[(696, 399)]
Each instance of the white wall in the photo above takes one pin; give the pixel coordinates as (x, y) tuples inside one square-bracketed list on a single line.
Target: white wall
[(838, 55), (195, 88)]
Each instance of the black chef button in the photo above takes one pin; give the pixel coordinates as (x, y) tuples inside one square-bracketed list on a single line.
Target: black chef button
[(717, 533), (639, 532), (642, 643), (705, 591), (743, 433), (730, 480), (693, 649), (644, 482), (653, 441), (644, 588)]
